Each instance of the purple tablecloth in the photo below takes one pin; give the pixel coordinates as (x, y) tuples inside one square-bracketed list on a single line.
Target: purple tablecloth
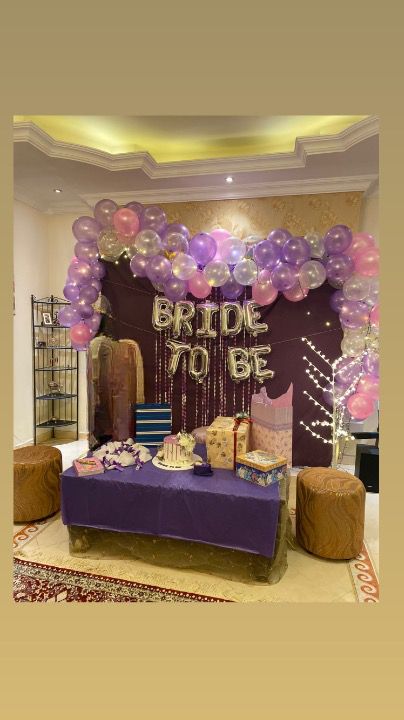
[(220, 510)]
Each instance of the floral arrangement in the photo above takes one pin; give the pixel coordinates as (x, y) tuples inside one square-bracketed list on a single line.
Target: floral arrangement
[(118, 455), (186, 441)]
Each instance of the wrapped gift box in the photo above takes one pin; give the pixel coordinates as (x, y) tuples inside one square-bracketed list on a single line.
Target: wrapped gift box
[(153, 423), (226, 438), (272, 423), (260, 467)]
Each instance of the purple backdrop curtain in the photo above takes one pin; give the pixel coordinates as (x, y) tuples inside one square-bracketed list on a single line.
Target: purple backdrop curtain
[(132, 300)]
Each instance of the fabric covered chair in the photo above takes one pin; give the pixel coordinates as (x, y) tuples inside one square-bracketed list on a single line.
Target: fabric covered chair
[(36, 482), (330, 513)]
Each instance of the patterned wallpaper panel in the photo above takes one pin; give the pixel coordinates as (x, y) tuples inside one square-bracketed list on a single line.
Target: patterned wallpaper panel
[(258, 216)]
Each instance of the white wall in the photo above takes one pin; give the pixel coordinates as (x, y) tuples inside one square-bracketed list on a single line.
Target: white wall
[(31, 276)]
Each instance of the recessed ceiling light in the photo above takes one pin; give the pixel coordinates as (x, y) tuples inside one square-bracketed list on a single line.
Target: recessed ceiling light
[(229, 179), (57, 190), (308, 312)]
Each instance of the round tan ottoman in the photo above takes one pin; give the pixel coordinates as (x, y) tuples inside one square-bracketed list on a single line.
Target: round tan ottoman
[(36, 482), (330, 513)]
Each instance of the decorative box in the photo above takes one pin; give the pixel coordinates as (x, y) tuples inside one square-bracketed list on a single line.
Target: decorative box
[(272, 423), (153, 423), (260, 467), (226, 438)]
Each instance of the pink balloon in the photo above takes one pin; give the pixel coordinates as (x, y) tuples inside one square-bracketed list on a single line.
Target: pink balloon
[(219, 235), (360, 243), (295, 294), (374, 316), (263, 292), (80, 334), (198, 285), (367, 262), (126, 223), (369, 385), (360, 406)]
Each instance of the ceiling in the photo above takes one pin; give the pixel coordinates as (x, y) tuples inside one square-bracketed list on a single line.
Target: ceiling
[(168, 159), (175, 139)]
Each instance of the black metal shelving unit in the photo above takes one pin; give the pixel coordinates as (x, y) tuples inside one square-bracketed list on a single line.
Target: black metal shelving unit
[(55, 369)]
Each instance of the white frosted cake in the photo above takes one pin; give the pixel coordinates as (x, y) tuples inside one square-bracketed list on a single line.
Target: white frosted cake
[(178, 450)]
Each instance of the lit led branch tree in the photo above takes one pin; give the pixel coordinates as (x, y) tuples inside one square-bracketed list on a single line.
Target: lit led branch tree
[(336, 424)]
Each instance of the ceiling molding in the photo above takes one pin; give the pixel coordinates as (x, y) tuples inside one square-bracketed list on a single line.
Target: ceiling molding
[(304, 147), (359, 183)]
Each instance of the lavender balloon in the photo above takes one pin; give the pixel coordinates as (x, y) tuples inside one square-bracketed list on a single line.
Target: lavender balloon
[(337, 239), (203, 248), (104, 212), (284, 277), (158, 269), (175, 289), (339, 268), (231, 290), (267, 254), (95, 283), (71, 291), (174, 242), (296, 251), (69, 316), (86, 251), (138, 265), (84, 309), (88, 294), (136, 207), (177, 228), (93, 323), (347, 371), (279, 236), (337, 300), (86, 229), (97, 270), (354, 314), (79, 272), (371, 364), (153, 218)]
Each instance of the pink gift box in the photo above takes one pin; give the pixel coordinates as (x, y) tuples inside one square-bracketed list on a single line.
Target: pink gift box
[(272, 423)]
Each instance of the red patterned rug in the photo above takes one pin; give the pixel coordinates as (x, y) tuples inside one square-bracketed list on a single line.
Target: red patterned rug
[(43, 583)]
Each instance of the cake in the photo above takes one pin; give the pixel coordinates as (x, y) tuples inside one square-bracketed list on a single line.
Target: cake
[(177, 450)]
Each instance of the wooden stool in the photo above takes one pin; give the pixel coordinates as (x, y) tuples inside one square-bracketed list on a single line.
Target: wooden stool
[(330, 513), (36, 482)]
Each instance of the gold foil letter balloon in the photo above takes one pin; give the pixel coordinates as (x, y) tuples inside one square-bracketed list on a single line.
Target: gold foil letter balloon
[(225, 309), (206, 311), (251, 315), (177, 349), (162, 316), (198, 354), (184, 311), (237, 362), (258, 364)]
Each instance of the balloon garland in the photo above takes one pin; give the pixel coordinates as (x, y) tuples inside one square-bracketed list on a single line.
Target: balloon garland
[(179, 265)]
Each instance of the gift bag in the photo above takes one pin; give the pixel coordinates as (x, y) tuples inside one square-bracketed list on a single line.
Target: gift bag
[(153, 423), (226, 438), (272, 423)]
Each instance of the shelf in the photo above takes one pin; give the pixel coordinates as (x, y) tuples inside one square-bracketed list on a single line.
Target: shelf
[(55, 369), (58, 423), (55, 347), (53, 327), (51, 302), (59, 396)]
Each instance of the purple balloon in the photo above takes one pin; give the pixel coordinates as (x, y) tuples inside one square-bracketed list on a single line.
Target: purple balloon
[(177, 228), (86, 229), (231, 290), (337, 300), (279, 236), (138, 265), (267, 254), (88, 294), (354, 314), (71, 291), (296, 251), (84, 309), (79, 272), (175, 289), (93, 323), (284, 277), (203, 248), (337, 239), (339, 268), (68, 316), (371, 364), (97, 270), (136, 207), (347, 370), (104, 212), (96, 284), (153, 218), (158, 269), (86, 251)]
